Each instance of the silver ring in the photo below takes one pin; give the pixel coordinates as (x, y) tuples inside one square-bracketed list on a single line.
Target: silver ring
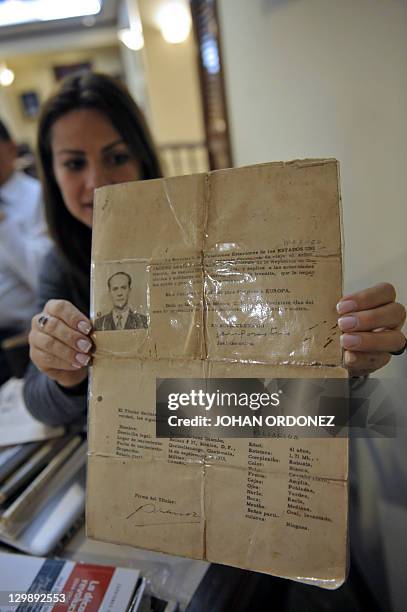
[(43, 320)]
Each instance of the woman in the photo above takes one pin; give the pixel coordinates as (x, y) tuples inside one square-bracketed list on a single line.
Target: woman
[(92, 134)]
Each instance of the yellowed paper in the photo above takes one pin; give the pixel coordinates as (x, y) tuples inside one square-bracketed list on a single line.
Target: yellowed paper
[(234, 273)]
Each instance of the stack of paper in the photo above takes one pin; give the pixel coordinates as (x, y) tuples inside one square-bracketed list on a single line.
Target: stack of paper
[(16, 423), (41, 492)]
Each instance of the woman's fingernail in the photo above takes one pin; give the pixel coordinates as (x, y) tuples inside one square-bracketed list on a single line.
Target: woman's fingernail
[(77, 366), (350, 357), (84, 327), (83, 359), (346, 306), (84, 345), (345, 323), (349, 341)]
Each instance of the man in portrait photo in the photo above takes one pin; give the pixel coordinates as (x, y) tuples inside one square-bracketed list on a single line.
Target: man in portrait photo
[(121, 316)]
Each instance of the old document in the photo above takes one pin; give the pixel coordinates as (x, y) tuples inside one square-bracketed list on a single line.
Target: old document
[(230, 274)]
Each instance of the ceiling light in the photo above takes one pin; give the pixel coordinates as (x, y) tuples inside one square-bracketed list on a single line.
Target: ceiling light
[(6, 76), (13, 12), (174, 21), (49, 9), (132, 37)]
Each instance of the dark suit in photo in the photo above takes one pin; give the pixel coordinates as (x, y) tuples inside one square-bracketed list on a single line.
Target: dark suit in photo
[(134, 320)]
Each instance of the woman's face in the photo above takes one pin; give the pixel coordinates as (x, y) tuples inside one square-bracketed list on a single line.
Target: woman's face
[(87, 153)]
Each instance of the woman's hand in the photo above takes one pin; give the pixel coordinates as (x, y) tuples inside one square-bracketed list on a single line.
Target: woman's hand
[(371, 321), (59, 343)]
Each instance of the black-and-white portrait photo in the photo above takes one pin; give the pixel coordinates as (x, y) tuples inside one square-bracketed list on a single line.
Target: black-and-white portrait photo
[(121, 315)]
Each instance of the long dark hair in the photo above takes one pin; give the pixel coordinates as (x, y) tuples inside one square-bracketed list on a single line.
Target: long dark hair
[(99, 92)]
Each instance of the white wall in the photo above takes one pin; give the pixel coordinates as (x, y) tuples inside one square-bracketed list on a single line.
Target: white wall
[(133, 61), (173, 88), (328, 78)]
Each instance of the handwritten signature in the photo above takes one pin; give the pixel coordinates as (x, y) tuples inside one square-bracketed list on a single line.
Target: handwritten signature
[(151, 508)]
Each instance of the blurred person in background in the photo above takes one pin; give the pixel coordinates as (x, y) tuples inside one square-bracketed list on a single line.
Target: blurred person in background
[(23, 243)]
